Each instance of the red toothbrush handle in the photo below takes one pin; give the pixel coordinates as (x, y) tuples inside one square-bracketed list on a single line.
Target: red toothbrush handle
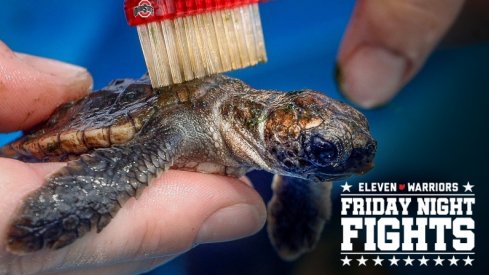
[(145, 11)]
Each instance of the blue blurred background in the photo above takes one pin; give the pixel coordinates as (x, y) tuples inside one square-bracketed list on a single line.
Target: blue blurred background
[(435, 129)]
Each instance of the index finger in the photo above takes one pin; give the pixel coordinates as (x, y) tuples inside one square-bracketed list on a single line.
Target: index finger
[(32, 87)]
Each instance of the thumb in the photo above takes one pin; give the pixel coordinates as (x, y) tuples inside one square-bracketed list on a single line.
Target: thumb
[(32, 87), (176, 212), (386, 43)]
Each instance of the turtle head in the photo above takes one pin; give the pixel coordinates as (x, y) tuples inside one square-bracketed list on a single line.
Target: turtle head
[(312, 136)]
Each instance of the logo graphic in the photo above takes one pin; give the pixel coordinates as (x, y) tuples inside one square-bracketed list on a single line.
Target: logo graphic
[(144, 9), (407, 224)]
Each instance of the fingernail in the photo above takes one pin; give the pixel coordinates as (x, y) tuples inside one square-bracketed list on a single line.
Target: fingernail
[(81, 80), (74, 76), (371, 76), (230, 223)]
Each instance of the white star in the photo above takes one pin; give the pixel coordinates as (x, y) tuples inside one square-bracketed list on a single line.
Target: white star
[(378, 261), (362, 261), (423, 261), (393, 260), (468, 260), (438, 261), (346, 261), (346, 187), (468, 187), (408, 261), (453, 261)]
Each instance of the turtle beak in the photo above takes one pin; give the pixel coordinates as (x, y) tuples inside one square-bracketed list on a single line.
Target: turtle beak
[(361, 160)]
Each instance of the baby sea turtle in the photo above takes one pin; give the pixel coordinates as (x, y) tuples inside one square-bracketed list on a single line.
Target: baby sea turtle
[(118, 139)]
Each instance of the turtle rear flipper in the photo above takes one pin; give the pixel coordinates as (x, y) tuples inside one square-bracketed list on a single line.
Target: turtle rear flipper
[(297, 214), (88, 192)]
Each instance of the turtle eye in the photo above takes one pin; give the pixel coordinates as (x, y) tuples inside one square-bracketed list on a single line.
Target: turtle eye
[(322, 151)]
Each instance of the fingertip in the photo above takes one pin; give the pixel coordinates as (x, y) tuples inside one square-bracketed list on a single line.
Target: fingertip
[(32, 87), (372, 76), (238, 218), (226, 208), (75, 79), (386, 43), (230, 223)]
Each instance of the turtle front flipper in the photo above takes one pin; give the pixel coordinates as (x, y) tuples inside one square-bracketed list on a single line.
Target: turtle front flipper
[(296, 214), (88, 192)]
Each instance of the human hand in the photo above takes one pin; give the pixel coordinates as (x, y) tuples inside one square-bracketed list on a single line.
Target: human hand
[(176, 212), (387, 42)]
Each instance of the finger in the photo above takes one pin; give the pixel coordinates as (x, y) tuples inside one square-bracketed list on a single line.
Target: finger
[(386, 43), (175, 213), (32, 87), (129, 267), (246, 180)]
